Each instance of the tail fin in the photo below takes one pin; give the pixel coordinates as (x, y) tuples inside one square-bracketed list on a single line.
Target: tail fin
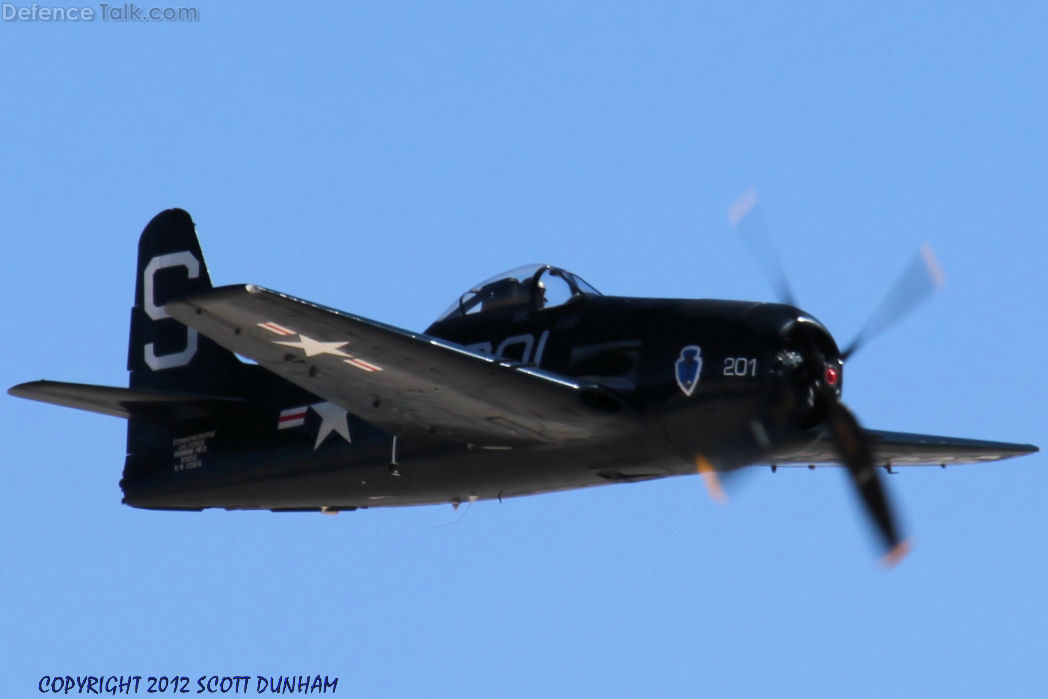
[(163, 353), (198, 419), (165, 356)]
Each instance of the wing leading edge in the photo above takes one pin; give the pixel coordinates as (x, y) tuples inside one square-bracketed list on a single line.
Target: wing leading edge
[(397, 379), (906, 449)]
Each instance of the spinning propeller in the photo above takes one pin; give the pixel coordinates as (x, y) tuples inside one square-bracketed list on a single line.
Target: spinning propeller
[(816, 373)]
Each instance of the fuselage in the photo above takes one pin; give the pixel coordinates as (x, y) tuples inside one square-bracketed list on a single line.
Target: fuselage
[(695, 379)]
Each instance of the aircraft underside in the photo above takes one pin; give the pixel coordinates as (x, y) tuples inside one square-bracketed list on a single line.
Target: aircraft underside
[(347, 480)]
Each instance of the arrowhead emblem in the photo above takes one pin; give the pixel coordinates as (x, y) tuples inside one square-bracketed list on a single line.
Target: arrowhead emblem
[(688, 368)]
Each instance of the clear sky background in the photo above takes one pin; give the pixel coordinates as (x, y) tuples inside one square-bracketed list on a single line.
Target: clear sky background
[(382, 161)]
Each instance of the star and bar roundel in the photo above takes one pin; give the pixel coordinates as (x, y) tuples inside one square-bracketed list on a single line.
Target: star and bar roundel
[(314, 347), (333, 419)]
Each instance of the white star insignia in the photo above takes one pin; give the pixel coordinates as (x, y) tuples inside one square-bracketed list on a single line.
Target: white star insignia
[(332, 419), (314, 347)]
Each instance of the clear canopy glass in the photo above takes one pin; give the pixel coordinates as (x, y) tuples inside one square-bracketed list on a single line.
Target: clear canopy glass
[(535, 286)]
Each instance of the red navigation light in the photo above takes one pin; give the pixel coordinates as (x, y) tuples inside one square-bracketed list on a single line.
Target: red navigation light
[(831, 376)]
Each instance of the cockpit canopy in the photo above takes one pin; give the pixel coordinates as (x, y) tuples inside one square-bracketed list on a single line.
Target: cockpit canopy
[(530, 287)]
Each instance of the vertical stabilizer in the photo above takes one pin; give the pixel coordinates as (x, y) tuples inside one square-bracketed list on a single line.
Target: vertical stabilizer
[(163, 353)]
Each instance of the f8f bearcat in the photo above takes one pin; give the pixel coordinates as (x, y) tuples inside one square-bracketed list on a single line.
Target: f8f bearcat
[(531, 382)]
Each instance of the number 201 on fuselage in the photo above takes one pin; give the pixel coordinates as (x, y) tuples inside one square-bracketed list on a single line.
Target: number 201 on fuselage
[(740, 366)]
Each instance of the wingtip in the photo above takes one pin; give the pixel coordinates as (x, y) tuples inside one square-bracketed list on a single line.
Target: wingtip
[(24, 390), (1019, 450)]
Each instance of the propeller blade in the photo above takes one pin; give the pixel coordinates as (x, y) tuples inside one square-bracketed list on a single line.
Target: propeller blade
[(852, 442), (916, 283), (710, 480), (857, 454), (748, 221)]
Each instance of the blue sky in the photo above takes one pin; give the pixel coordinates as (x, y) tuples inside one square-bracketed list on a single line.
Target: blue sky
[(383, 160)]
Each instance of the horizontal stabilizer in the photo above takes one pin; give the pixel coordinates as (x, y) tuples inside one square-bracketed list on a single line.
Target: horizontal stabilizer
[(126, 402)]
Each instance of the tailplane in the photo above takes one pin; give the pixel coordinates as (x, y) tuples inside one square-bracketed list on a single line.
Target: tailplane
[(198, 418), (174, 371)]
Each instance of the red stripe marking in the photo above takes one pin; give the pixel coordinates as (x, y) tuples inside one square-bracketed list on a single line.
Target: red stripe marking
[(361, 364), (288, 417), (274, 328)]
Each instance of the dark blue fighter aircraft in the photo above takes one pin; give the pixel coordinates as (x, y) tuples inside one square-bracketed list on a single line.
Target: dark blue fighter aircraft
[(531, 382)]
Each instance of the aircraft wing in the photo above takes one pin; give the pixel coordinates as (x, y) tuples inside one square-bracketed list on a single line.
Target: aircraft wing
[(905, 449), (396, 379)]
